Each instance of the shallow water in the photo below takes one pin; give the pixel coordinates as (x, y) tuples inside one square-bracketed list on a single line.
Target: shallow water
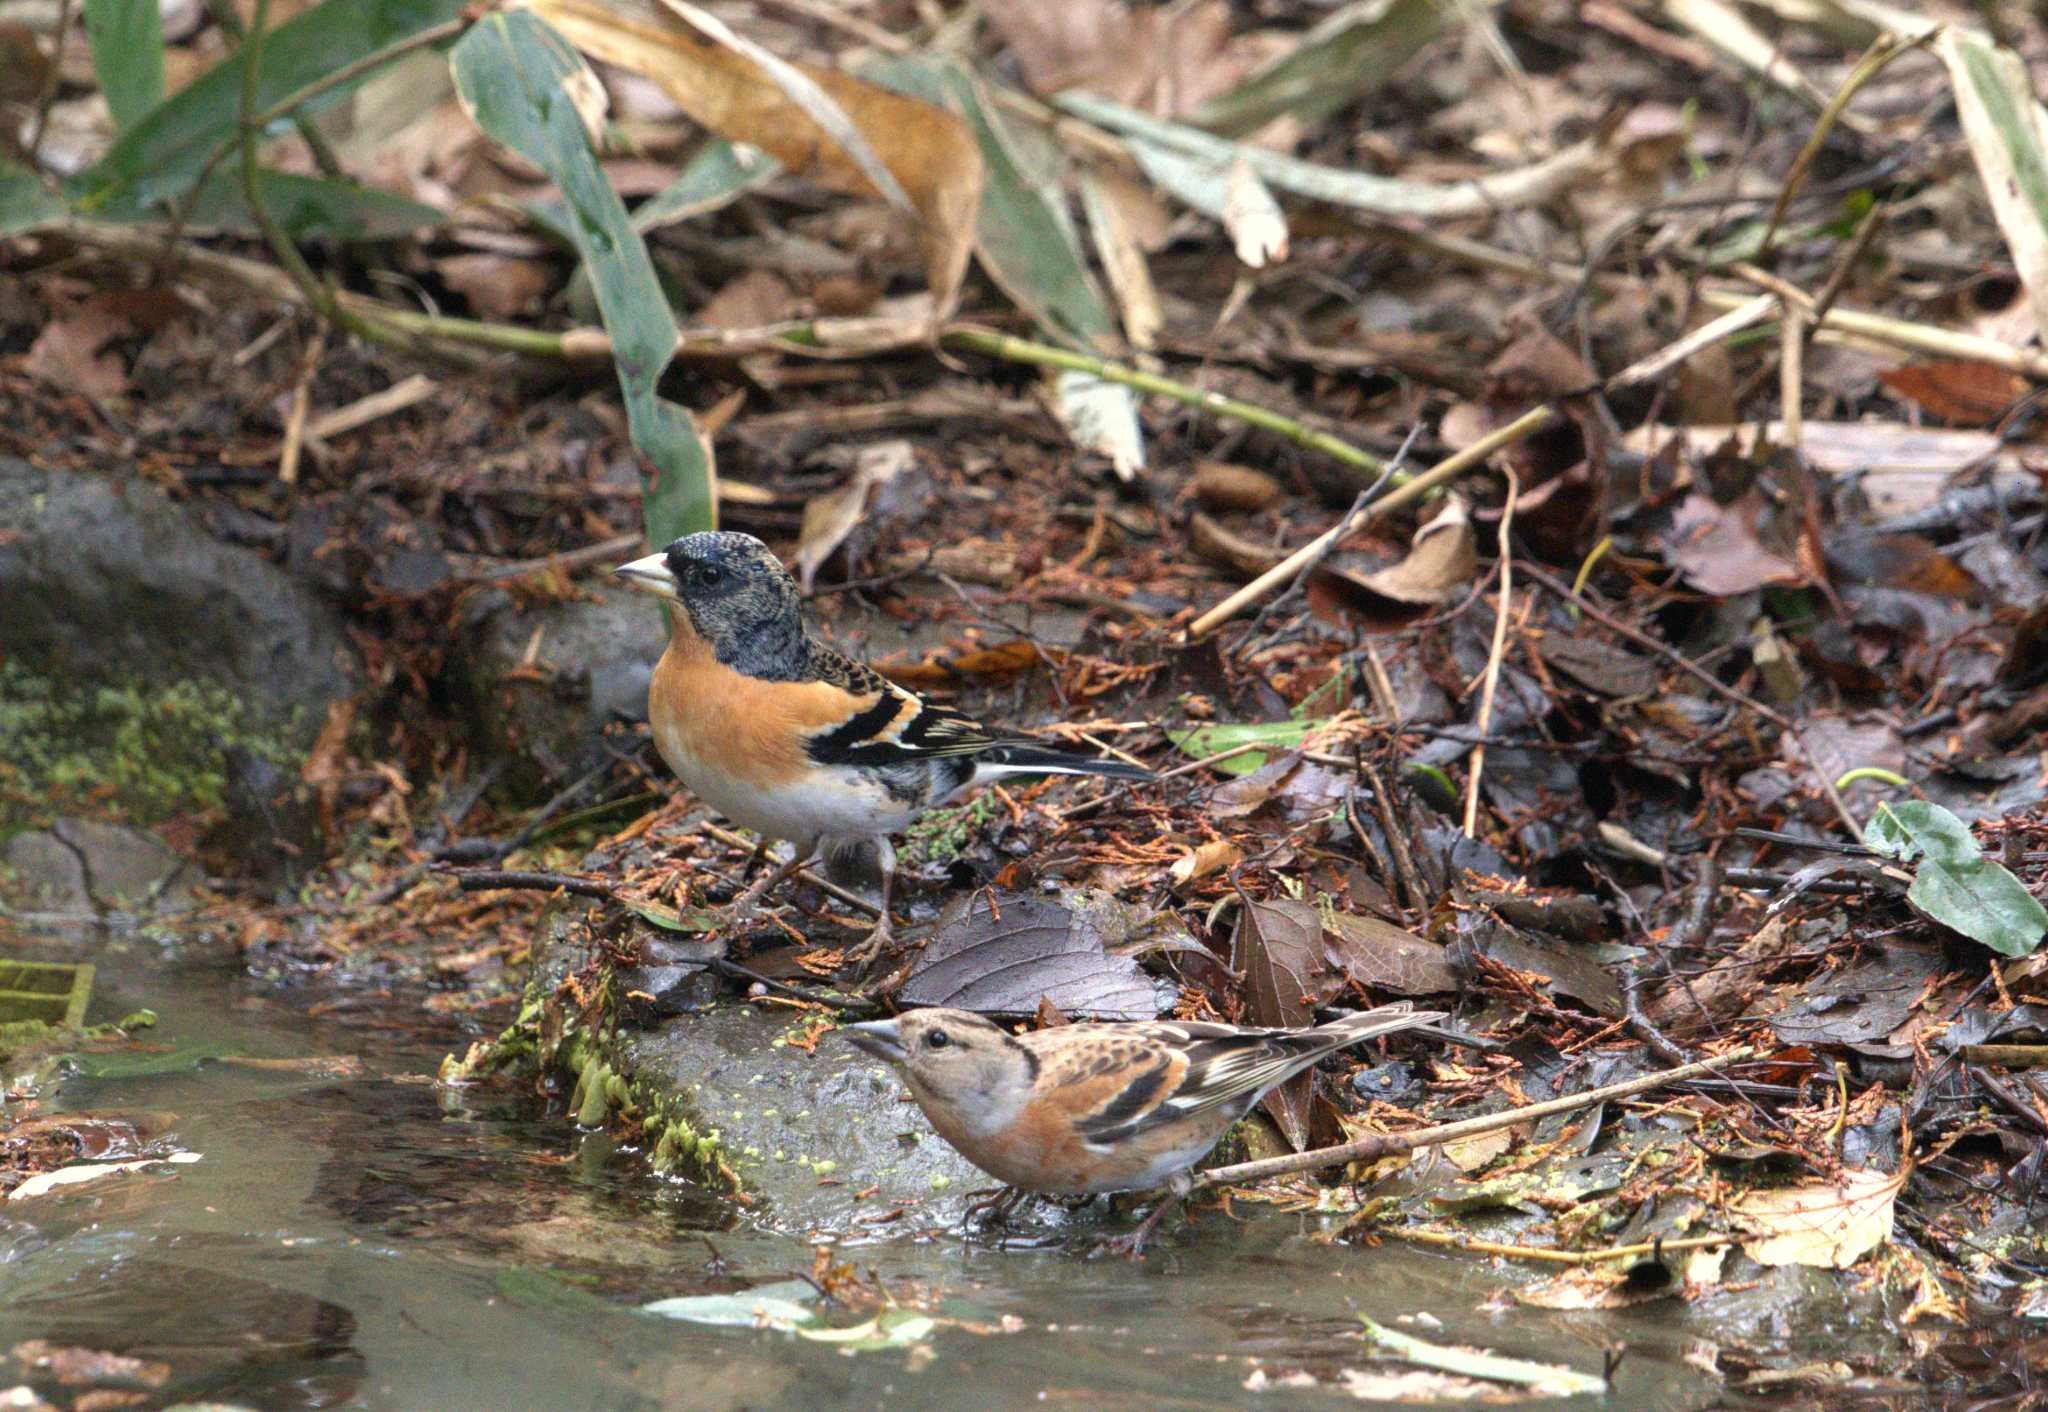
[(377, 1240)]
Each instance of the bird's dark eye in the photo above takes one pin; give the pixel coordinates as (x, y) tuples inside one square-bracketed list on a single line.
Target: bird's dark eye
[(709, 575), (937, 1039)]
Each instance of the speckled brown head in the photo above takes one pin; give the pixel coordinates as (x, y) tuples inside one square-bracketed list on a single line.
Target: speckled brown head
[(736, 595)]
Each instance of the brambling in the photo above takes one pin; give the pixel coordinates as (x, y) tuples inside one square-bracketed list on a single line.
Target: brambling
[(794, 740), (1087, 1109)]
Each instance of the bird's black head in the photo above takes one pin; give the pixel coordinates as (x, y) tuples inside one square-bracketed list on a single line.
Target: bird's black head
[(737, 596)]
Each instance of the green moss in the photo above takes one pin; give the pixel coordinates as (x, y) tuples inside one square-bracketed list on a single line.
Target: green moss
[(152, 751), (939, 836)]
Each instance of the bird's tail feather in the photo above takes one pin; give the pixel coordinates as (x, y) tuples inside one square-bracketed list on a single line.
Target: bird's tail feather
[(999, 760), (1353, 1029)]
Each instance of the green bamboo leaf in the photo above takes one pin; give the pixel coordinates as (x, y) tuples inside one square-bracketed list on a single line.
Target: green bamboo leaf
[(128, 55), (161, 157), (519, 80), (25, 203), (1353, 52), (309, 208), (1026, 240), (1955, 884)]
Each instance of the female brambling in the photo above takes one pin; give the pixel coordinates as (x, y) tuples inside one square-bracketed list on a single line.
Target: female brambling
[(1085, 1109), (794, 740)]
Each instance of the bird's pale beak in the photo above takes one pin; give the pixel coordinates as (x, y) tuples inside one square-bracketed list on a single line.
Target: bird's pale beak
[(878, 1037), (649, 575)]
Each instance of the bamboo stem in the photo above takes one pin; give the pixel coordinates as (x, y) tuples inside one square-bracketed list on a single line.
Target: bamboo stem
[(1021, 350)]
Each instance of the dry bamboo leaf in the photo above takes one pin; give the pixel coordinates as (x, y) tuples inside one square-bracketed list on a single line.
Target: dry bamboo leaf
[(1123, 255), (2008, 135), (927, 153), (1258, 231)]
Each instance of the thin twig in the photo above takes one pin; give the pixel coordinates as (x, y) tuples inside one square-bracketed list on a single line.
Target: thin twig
[(1710, 681), (1493, 655), (1415, 488), (1386, 1144)]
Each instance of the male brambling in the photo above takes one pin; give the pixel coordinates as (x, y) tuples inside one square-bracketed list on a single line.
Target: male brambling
[(794, 740), (1085, 1109)]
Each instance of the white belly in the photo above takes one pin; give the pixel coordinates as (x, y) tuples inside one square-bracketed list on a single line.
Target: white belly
[(835, 804)]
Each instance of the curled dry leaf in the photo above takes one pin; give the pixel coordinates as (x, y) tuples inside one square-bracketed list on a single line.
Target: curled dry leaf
[(1205, 861), (1439, 568), (830, 518), (926, 151)]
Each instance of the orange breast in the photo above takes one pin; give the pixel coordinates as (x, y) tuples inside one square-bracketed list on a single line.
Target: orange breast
[(706, 716)]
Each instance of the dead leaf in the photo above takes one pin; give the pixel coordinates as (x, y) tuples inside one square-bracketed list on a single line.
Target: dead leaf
[(1277, 948), (751, 300), (1167, 59), (1258, 230), (1963, 392), (997, 663), (1382, 956), (1205, 861), (829, 519), (502, 287), (927, 151), (1829, 1225), (1716, 547), (72, 352), (1009, 953), (1221, 485), (1439, 568)]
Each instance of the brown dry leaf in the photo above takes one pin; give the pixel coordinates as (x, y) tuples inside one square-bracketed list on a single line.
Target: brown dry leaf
[(1164, 59), (1440, 565), (1258, 229), (927, 150), (754, 299), (1234, 552), (1716, 547), (1825, 1224), (998, 663), (1382, 956), (1277, 947), (1205, 861), (829, 519), (1963, 392), (72, 353), (502, 287)]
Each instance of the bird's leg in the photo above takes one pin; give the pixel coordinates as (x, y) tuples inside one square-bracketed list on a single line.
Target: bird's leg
[(864, 954), (995, 1206), (754, 859), (1133, 1245), (742, 907)]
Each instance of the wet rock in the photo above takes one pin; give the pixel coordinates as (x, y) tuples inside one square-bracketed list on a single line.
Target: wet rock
[(105, 580), (79, 866), (803, 1131), (785, 1118), (539, 682)]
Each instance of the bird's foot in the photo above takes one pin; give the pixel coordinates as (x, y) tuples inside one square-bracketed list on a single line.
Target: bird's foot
[(994, 1206), (868, 951), (1132, 1246)]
